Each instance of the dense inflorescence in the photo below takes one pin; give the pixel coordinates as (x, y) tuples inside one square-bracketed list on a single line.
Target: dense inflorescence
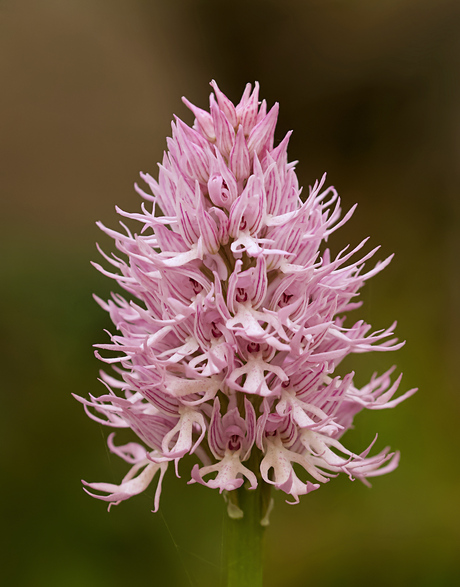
[(230, 351)]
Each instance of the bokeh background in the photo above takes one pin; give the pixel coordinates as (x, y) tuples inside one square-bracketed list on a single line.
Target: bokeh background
[(88, 89)]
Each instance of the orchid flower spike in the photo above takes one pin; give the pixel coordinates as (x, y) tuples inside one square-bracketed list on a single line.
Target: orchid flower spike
[(227, 346)]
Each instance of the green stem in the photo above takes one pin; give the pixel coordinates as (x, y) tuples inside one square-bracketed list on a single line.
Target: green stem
[(243, 541)]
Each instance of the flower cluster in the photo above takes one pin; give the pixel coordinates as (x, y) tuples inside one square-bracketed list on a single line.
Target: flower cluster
[(235, 325)]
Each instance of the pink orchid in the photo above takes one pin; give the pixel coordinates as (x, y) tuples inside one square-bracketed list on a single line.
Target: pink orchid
[(236, 321)]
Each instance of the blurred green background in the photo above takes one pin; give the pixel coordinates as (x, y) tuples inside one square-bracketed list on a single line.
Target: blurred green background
[(88, 90)]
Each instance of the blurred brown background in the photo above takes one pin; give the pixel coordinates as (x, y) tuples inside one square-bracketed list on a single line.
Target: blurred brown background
[(88, 89)]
